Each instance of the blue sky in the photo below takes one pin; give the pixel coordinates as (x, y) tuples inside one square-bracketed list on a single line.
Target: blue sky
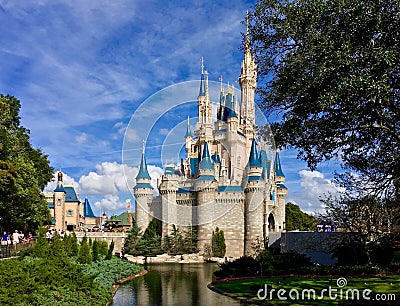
[(81, 69)]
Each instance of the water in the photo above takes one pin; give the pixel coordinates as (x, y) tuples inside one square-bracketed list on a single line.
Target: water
[(172, 284)]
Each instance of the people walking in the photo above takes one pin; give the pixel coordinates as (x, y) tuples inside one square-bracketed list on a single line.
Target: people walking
[(15, 237), (4, 238)]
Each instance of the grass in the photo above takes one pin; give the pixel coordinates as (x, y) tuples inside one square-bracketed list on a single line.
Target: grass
[(387, 287)]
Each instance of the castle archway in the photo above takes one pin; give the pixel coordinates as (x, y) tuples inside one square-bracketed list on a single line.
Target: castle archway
[(271, 223)]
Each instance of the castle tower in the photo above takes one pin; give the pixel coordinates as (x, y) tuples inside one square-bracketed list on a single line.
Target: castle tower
[(248, 83), (143, 194), (204, 124), (254, 202), (168, 188), (59, 204), (206, 187), (281, 194)]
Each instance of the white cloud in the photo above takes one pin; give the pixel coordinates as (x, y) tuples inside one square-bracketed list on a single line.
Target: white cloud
[(163, 131), (67, 180), (81, 138), (314, 186), (110, 203), (131, 135)]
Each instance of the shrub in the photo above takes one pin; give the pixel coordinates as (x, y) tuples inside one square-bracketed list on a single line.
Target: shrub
[(218, 243), (84, 256), (110, 250)]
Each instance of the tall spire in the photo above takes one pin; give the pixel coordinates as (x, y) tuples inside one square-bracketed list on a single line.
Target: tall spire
[(254, 161), (278, 167), (202, 92), (247, 39), (248, 83), (188, 131), (143, 173)]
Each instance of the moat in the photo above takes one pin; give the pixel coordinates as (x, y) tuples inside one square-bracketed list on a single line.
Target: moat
[(172, 284)]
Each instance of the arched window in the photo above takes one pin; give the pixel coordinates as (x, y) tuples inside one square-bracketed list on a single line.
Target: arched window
[(69, 213), (271, 223)]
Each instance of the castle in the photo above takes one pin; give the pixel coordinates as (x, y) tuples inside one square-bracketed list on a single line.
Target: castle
[(67, 210), (226, 181)]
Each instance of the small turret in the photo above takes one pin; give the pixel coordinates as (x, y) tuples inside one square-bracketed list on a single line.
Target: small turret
[(254, 201), (280, 177), (143, 192)]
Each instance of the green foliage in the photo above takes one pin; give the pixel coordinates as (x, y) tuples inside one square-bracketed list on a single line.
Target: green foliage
[(84, 256), (218, 245), (332, 68), (71, 244), (298, 220), (103, 247), (95, 251), (24, 171), (148, 244), (110, 251), (107, 272), (272, 263), (132, 240), (47, 282), (41, 247), (51, 277), (180, 241)]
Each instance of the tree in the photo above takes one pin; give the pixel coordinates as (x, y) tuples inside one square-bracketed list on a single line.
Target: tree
[(84, 256), (24, 172), (95, 251), (110, 250), (298, 220), (132, 240), (331, 70), (218, 245)]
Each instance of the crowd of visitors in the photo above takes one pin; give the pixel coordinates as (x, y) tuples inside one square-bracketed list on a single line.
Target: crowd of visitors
[(15, 238)]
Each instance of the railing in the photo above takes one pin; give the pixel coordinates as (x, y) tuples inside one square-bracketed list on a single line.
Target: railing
[(11, 250)]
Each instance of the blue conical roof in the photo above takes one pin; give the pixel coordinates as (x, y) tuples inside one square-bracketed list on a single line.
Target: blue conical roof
[(216, 158), (59, 188), (206, 162), (143, 173), (87, 209), (254, 161), (278, 167), (188, 132)]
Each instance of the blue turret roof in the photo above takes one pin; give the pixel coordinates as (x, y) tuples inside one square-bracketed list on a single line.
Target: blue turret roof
[(254, 161), (278, 167), (216, 158), (87, 209), (59, 188), (188, 132), (70, 195), (229, 109), (206, 162), (143, 173)]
